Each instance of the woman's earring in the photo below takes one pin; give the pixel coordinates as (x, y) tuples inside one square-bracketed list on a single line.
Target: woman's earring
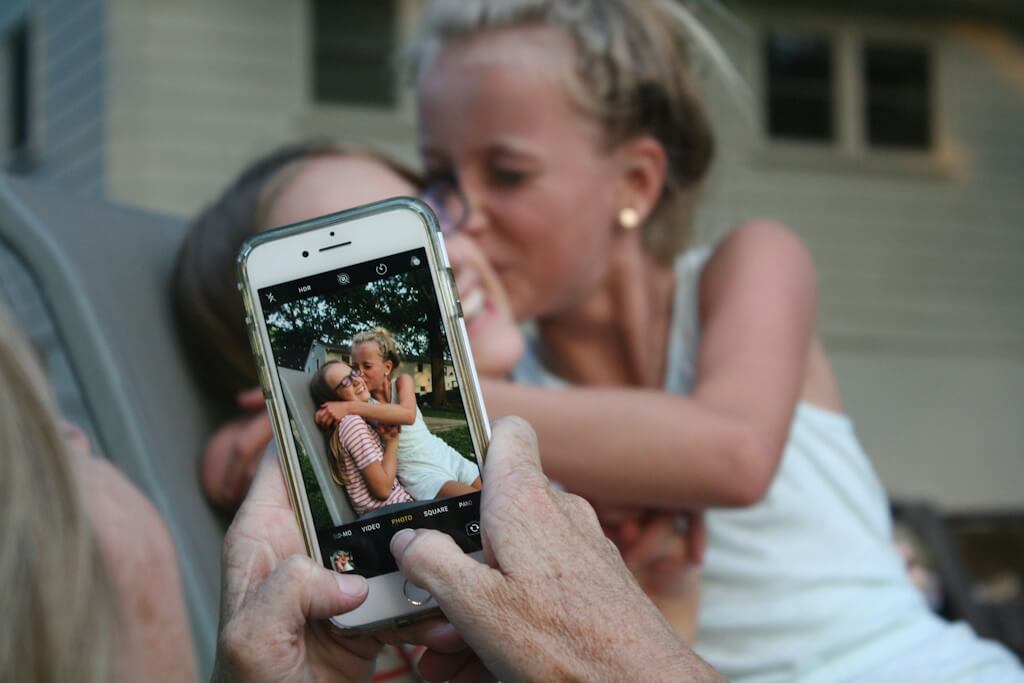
[(629, 218)]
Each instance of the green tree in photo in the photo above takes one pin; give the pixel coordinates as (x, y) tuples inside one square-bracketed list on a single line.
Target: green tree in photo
[(405, 304)]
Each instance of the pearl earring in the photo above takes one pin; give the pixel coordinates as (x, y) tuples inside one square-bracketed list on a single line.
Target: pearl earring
[(629, 218)]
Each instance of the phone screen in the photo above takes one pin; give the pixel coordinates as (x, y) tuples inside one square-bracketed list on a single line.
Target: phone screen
[(331, 334)]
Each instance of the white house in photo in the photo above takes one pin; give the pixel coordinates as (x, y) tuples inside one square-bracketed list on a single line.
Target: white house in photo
[(416, 366)]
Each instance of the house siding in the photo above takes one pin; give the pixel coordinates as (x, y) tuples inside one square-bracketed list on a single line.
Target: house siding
[(69, 79), (197, 90), (921, 284)]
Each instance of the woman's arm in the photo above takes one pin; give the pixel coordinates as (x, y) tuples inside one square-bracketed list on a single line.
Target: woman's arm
[(377, 465), (719, 446), (406, 399), (381, 412)]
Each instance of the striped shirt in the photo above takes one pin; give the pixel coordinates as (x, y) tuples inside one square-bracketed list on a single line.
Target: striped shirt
[(355, 446)]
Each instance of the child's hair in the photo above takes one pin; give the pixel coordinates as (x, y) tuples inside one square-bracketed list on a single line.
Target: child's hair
[(632, 74), (207, 306), (319, 389), (386, 344)]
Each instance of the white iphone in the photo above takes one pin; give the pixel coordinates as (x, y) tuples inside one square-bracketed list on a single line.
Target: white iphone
[(354, 318)]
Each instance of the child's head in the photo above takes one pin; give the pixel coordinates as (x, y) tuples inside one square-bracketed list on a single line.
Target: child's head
[(375, 352), (337, 381), (292, 183), (568, 123)]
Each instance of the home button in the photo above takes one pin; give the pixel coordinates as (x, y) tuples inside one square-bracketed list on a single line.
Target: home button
[(416, 595)]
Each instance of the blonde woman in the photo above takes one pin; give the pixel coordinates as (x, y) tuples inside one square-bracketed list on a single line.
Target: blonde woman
[(715, 385), (92, 590)]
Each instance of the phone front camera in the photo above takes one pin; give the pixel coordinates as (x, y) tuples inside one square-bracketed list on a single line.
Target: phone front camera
[(305, 254)]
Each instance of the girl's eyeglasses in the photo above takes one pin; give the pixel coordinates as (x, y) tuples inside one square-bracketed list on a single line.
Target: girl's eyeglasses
[(348, 379), (448, 203)]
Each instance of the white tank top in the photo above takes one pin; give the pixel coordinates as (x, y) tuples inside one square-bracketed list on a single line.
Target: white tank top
[(419, 449), (806, 585)]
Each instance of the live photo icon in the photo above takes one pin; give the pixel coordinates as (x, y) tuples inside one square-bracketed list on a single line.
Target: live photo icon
[(344, 279)]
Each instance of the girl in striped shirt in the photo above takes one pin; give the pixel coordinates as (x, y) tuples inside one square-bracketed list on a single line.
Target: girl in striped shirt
[(364, 460)]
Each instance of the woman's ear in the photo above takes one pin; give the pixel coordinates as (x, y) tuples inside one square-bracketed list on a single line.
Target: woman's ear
[(644, 166)]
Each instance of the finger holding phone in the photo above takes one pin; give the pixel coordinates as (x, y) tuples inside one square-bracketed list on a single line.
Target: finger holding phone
[(556, 601), (276, 601)]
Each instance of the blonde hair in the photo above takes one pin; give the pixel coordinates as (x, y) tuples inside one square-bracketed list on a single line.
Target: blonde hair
[(386, 344), (57, 601), (632, 73)]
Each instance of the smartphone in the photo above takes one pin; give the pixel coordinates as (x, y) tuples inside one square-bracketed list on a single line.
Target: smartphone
[(310, 291)]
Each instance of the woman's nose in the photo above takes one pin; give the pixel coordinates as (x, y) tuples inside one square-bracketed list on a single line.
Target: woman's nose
[(475, 220)]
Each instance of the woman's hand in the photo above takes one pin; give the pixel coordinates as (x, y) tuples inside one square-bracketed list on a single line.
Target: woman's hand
[(275, 601), (231, 455), (662, 541), (329, 414), (388, 432), (663, 549)]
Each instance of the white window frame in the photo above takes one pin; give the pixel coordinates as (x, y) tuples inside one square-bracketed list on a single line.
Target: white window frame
[(849, 150)]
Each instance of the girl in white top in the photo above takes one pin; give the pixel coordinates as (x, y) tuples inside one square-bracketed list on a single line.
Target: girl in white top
[(427, 466), (806, 585), (575, 134)]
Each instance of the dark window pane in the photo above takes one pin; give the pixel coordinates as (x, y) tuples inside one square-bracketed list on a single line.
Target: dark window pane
[(897, 86), (16, 117), (353, 44), (798, 73)]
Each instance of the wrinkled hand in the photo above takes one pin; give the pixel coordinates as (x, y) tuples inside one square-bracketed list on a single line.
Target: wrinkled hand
[(275, 598), (329, 414), (554, 601), (233, 452)]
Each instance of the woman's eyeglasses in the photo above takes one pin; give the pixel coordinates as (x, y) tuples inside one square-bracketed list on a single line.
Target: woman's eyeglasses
[(348, 379), (448, 203)]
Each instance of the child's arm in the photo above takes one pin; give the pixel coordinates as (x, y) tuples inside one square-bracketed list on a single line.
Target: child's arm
[(721, 445), (406, 399), (381, 412)]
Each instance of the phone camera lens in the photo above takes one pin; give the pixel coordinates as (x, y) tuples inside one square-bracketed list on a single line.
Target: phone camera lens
[(305, 254), (332, 233)]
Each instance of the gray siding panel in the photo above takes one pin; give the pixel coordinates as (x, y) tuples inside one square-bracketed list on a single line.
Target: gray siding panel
[(71, 78)]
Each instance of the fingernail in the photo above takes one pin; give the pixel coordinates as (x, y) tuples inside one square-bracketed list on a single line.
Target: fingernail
[(352, 585), (400, 540)]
